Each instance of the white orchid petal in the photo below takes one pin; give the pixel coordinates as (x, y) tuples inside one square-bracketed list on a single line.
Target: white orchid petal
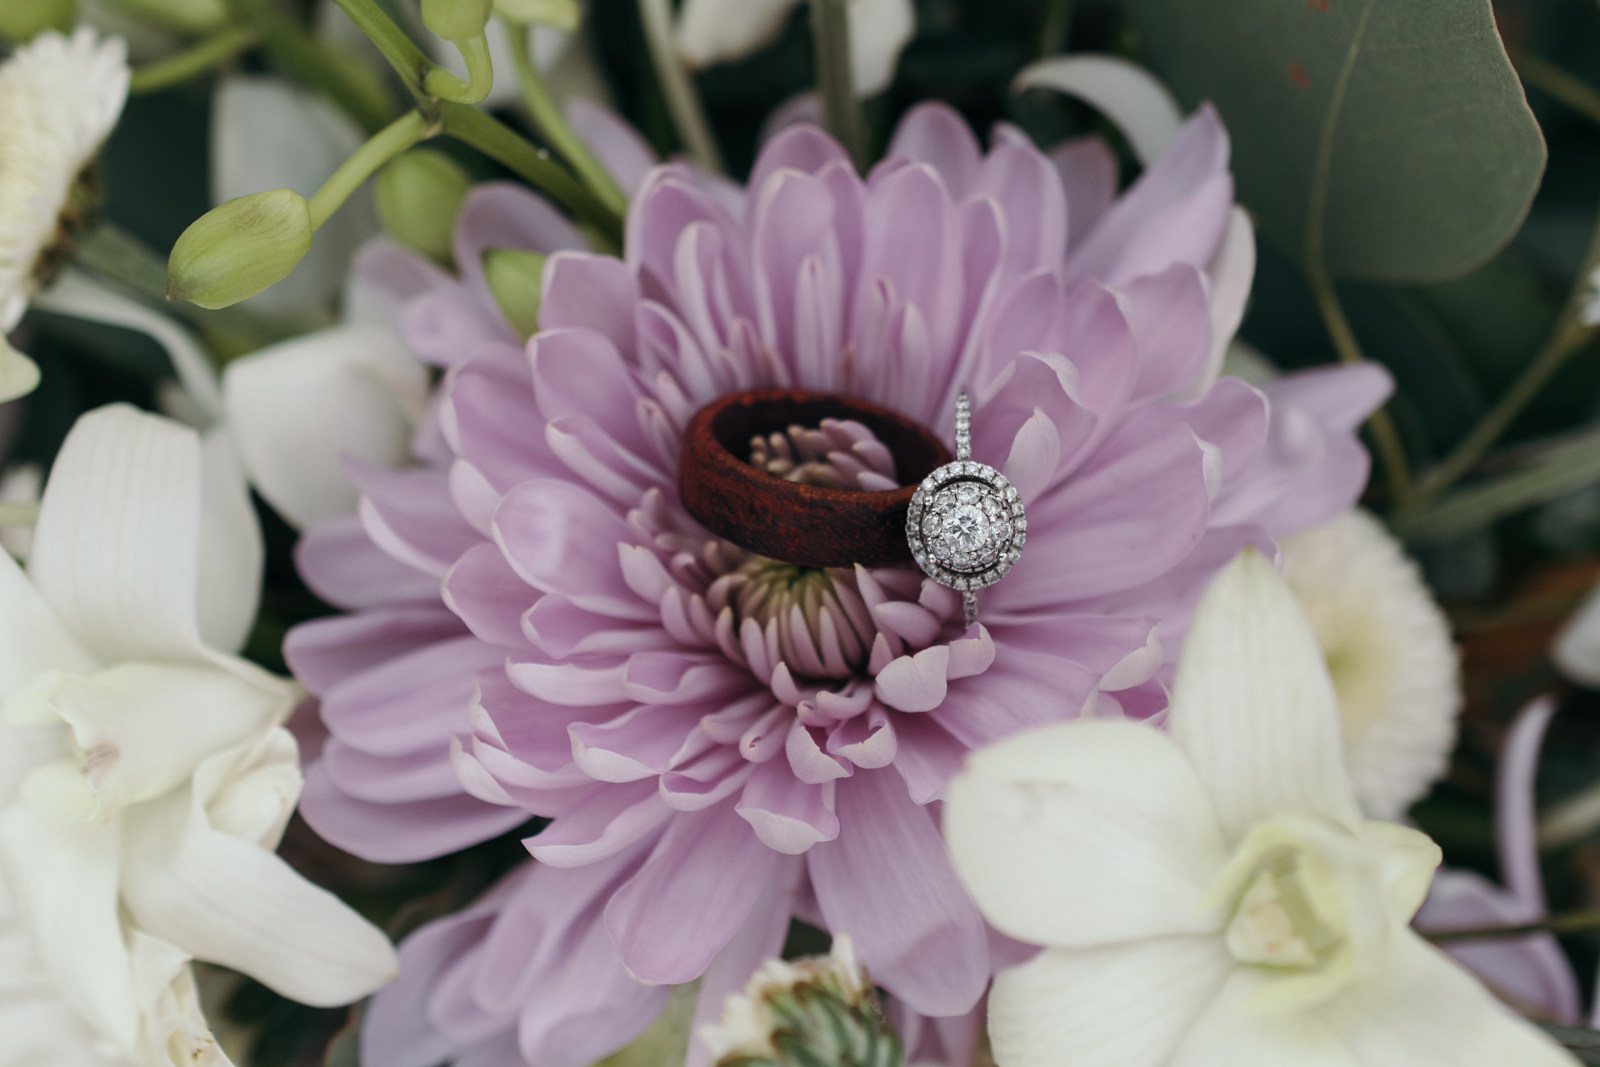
[(145, 727), (1084, 833), (231, 552), (32, 640), (1230, 1034), (1112, 1006), (229, 901), (268, 133), (1253, 706), (879, 32), (1576, 651), (80, 296), (19, 375), (116, 547), (298, 407), (714, 31), (175, 1029), (1422, 1007), (63, 883), (1127, 94)]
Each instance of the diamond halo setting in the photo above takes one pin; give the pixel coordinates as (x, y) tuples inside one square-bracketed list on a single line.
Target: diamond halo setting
[(966, 525)]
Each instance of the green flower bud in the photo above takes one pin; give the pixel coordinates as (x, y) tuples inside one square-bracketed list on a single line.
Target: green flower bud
[(561, 14), (185, 16), (456, 20), (515, 277), (239, 248), (418, 197), (22, 20), (816, 1012)]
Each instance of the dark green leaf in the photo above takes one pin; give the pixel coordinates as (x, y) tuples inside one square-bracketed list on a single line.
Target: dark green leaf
[(1410, 111)]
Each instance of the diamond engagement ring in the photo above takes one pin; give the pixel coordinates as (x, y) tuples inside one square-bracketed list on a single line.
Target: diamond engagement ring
[(966, 525)]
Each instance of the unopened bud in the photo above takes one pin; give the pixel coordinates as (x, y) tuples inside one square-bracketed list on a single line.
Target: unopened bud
[(185, 16), (22, 20), (808, 1012), (559, 14), (456, 20), (238, 248), (418, 197), (515, 277)]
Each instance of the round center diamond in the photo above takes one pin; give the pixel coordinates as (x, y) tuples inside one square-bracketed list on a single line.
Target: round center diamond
[(967, 527)]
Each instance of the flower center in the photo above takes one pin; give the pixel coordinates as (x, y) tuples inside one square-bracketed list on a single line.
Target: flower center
[(838, 454), (77, 217), (802, 611), (1276, 922)]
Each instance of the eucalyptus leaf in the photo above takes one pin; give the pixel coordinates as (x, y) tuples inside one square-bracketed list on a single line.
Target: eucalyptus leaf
[(1405, 114)]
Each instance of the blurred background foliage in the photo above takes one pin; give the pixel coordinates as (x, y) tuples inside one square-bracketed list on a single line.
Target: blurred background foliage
[(1454, 346)]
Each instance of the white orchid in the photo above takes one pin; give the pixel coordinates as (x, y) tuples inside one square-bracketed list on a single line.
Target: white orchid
[(145, 775), (59, 98), (299, 407), (1389, 651), (715, 31), (1212, 895)]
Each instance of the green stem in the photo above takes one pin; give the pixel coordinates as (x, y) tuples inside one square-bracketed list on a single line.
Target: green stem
[(499, 142), (1384, 434), (841, 111), (211, 52), (1569, 336), (1573, 922), (553, 126), (1054, 27), (1548, 78), (408, 60), (480, 74), (683, 103), (387, 143), (347, 83)]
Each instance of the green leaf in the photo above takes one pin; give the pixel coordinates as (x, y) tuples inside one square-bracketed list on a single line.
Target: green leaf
[(1560, 469), (1407, 114)]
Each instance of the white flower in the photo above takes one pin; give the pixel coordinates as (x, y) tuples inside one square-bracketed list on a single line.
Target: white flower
[(1212, 896), (300, 407), (715, 31), (1388, 648), (145, 776), (749, 1018), (1576, 649), (59, 98)]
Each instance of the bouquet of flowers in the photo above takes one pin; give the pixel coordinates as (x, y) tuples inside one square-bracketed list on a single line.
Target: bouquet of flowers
[(760, 533)]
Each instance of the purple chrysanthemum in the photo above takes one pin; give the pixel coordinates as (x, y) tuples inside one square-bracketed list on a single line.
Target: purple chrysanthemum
[(723, 740)]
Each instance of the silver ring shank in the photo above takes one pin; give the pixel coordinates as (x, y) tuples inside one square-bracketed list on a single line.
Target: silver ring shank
[(963, 426)]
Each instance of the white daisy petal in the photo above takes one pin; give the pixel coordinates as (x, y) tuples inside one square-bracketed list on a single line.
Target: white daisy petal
[(1388, 647), (1124, 1005), (59, 98), (1253, 706), (1085, 833)]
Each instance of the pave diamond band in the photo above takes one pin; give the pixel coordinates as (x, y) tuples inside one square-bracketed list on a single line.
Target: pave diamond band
[(966, 525)]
